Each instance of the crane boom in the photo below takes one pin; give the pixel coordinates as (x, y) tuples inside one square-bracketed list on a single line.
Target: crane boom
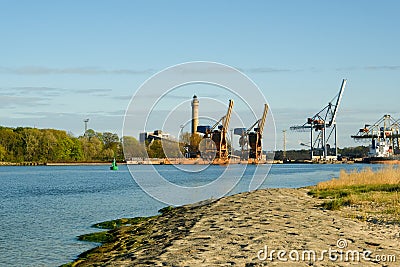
[(227, 117), (261, 123), (217, 123), (339, 99)]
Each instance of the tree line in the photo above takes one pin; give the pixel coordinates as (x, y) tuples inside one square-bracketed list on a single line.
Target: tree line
[(23, 144)]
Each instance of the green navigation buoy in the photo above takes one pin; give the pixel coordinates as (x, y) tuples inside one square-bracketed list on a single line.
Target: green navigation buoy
[(114, 166)]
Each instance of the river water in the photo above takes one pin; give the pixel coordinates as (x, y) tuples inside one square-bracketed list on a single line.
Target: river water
[(44, 208)]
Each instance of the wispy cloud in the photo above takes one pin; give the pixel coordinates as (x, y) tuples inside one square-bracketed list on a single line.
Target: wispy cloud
[(40, 91), (267, 70), (388, 67), (94, 92), (117, 113), (91, 91), (57, 114), (38, 70), (49, 92), (348, 68), (44, 91), (370, 68), (38, 114), (122, 97), (10, 101)]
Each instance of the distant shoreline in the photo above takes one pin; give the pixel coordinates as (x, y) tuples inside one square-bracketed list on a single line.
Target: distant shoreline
[(82, 163), (57, 163), (166, 162)]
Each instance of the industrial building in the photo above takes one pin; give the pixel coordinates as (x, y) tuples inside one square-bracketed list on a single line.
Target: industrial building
[(156, 135)]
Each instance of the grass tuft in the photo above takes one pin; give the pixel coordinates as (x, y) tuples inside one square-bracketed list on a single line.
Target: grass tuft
[(166, 210), (119, 222), (98, 237), (107, 236), (336, 204)]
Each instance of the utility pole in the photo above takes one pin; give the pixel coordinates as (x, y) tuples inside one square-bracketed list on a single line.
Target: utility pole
[(284, 144), (231, 143)]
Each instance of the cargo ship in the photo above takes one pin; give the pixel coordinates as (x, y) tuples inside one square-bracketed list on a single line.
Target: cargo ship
[(380, 152), (384, 136)]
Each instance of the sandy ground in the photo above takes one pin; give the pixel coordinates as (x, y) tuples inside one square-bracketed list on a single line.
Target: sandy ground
[(244, 229)]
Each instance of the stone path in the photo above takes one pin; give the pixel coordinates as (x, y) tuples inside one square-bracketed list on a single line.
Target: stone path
[(238, 230)]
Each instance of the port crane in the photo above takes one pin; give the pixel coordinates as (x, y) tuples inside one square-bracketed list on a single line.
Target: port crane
[(250, 139), (218, 135), (383, 136), (324, 124)]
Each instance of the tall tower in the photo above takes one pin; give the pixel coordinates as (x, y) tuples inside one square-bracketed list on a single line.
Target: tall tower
[(195, 114), (86, 123)]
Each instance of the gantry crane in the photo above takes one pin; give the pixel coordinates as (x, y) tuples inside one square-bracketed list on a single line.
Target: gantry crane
[(383, 136), (218, 135), (252, 138), (324, 124)]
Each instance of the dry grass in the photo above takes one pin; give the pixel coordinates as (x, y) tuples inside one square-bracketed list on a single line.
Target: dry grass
[(385, 176), (365, 194)]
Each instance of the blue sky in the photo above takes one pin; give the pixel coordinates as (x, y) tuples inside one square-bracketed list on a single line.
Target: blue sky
[(64, 61)]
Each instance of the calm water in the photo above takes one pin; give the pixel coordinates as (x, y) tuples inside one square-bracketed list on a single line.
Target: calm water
[(43, 209)]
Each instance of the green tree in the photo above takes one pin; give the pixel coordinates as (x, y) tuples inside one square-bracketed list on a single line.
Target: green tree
[(354, 152), (12, 142), (47, 145), (76, 150), (3, 153), (31, 138), (110, 140), (132, 148), (155, 149), (190, 140), (91, 148), (67, 148), (195, 140), (108, 154), (171, 149), (90, 133)]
